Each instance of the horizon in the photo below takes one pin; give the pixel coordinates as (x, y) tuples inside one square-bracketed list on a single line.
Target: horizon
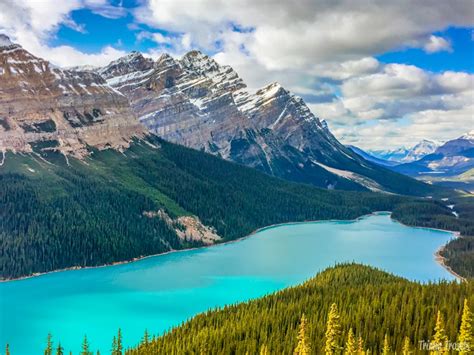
[(382, 91)]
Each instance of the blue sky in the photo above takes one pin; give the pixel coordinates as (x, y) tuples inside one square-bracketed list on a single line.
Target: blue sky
[(383, 74)]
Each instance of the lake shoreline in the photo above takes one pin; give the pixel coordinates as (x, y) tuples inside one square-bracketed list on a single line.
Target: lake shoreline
[(439, 259)]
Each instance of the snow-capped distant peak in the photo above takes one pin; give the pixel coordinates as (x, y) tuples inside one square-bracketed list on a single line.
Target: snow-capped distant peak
[(468, 136), (5, 41)]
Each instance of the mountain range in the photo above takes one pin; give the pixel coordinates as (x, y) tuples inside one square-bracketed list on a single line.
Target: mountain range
[(406, 155), (192, 101)]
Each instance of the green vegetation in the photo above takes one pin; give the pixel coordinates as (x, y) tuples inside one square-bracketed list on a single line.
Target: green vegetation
[(57, 213), (385, 313)]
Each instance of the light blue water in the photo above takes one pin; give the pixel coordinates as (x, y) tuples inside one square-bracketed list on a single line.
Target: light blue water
[(160, 292)]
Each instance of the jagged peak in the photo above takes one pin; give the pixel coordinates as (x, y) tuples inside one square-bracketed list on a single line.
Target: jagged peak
[(199, 62), (165, 59), (270, 90), (5, 41)]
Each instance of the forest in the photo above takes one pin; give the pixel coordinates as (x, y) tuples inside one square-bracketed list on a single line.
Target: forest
[(58, 213), (348, 308)]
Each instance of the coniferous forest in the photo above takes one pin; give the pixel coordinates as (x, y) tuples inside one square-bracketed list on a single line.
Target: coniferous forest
[(58, 213)]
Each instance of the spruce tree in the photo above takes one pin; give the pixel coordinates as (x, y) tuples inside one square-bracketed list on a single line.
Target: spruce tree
[(333, 331), (303, 346), (360, 346), (119, 342), (466, 336), (386, 346), (406, 346), (49, 345), (351, 346), (146, 338), (85, 347), (113, 351), (439, 339), (59, 350)]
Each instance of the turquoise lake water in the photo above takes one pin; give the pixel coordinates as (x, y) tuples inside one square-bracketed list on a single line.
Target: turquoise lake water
[(160, 292)]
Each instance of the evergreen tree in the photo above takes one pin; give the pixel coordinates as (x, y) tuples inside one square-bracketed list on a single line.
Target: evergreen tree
[(406, 346), (303, 346), (7, 350), (333, 331), (114, 346), (49, 345), (351, 346), (465, 337), (439, 339), (85, 347), (146, 338), (59, 350), (119, 342), (386, 346), (360, 346)]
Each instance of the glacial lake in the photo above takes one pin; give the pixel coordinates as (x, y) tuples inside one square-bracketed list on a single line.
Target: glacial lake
[(160, 292)]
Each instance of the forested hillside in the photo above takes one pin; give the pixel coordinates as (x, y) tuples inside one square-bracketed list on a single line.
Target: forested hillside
[(58, 212), (386, 312)]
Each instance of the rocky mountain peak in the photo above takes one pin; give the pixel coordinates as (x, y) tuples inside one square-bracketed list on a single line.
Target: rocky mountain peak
[(132, 62), (199, 63)]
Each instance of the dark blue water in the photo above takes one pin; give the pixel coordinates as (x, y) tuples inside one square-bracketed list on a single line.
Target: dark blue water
[(160, 292)]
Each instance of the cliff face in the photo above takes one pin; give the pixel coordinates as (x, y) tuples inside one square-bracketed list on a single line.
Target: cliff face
[(50, 108)]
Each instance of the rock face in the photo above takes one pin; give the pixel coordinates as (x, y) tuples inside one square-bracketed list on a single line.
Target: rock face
[(196, 102), (45, 107)]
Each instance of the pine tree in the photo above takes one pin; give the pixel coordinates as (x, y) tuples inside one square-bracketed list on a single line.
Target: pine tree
[(49, 345), (439, 339), (85, 347), (333, 331), (7, 350), (119, 342), (360, 346), (59, 350), (386, 346), (146, 338), (114, 346), (351, 346), (303, 346), (406, 346), (466, 336)]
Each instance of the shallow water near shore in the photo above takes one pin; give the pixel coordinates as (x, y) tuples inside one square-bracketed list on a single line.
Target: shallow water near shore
[(160, 292)]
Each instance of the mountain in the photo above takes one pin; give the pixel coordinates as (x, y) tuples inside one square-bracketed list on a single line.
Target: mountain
[(198, 103), (58, 109), (450, 159), (406, 155), (371, 158)]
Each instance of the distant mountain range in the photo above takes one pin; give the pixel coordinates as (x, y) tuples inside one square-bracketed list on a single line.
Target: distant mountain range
[(452, 159), (406, 155)]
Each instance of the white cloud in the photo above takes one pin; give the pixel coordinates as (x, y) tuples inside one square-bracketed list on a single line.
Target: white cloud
[(437, 44)]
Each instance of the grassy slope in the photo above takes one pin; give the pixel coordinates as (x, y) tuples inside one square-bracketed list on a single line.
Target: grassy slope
[(370, 301)]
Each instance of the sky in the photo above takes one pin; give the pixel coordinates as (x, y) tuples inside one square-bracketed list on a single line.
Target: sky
[(383, 74)]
